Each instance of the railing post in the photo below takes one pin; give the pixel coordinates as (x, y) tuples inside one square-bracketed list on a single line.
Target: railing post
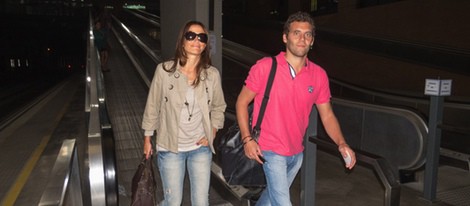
[(437, 89), (308, 171)]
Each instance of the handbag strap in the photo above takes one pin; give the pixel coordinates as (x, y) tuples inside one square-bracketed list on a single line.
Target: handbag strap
[(266, 95)]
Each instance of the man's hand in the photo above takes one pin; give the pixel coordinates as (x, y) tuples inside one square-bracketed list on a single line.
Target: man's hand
[(348, 155), (252, 151)]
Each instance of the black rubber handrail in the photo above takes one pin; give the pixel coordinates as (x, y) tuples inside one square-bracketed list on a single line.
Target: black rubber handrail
[(381, 167)]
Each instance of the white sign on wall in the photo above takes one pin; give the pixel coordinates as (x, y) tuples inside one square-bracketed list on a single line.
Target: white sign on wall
[(438, 87)]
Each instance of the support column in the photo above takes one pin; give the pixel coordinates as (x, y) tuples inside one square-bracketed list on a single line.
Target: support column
[(175, 13)]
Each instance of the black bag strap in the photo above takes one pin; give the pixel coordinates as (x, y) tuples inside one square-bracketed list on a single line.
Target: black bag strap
[(262, 109)]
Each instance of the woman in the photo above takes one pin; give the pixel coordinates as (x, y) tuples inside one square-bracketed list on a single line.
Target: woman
[(185, 106), (101, 42)]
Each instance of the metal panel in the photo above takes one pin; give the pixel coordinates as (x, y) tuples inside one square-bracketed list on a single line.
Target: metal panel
[(400, 137), (62, 174)]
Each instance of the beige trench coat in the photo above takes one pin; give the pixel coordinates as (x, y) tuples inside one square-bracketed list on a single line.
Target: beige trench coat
[(166, 99)]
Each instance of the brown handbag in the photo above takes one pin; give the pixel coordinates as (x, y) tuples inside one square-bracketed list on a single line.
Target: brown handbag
[(144, 184)]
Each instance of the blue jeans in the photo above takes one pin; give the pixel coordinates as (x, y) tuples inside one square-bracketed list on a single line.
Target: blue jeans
[(172, 168), (280, 172)]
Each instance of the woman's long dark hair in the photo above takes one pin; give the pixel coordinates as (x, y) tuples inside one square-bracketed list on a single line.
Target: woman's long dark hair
[(181, 57)]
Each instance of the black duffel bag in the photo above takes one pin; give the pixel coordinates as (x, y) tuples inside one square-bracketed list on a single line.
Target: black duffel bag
[(236, 167)]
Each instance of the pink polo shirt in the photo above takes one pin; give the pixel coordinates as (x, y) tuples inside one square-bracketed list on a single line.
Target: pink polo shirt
[(291, 100)]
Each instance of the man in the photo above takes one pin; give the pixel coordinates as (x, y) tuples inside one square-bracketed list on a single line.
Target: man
[(298, 85)]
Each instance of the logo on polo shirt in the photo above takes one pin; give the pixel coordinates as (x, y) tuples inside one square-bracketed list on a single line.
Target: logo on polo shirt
[(310, 89)]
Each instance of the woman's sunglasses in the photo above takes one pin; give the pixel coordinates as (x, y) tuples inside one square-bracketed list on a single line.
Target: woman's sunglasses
[(202, 37)]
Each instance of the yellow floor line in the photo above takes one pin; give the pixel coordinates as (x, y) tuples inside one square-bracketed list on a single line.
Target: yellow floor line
[(20, 181)]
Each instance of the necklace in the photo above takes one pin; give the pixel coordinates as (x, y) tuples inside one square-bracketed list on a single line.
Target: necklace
[(190, 113)]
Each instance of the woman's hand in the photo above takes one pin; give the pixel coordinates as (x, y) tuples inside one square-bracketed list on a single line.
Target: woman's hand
[(147, 147), (203, 142)]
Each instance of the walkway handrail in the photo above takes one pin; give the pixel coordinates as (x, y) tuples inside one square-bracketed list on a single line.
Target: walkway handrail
[(359, 124), (387, 175), (101, 157), (64, 187)]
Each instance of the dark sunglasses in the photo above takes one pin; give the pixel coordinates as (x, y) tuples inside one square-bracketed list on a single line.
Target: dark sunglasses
[(202, 37)]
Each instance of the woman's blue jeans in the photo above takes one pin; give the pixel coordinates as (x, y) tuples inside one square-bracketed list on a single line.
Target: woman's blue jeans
[(172, 168), (280, 172)]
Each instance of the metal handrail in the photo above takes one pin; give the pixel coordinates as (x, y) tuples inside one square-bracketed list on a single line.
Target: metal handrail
[(409, 128), (64, 187), (385, 172), (101, 158)]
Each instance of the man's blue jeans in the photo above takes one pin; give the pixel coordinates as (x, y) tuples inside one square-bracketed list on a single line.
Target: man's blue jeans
[(172, 168), (280, 172)]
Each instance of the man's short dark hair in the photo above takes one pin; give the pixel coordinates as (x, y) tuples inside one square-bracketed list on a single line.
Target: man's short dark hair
[(299, 17)]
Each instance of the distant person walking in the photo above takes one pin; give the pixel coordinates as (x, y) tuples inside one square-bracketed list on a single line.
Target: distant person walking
[(100, 34)]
